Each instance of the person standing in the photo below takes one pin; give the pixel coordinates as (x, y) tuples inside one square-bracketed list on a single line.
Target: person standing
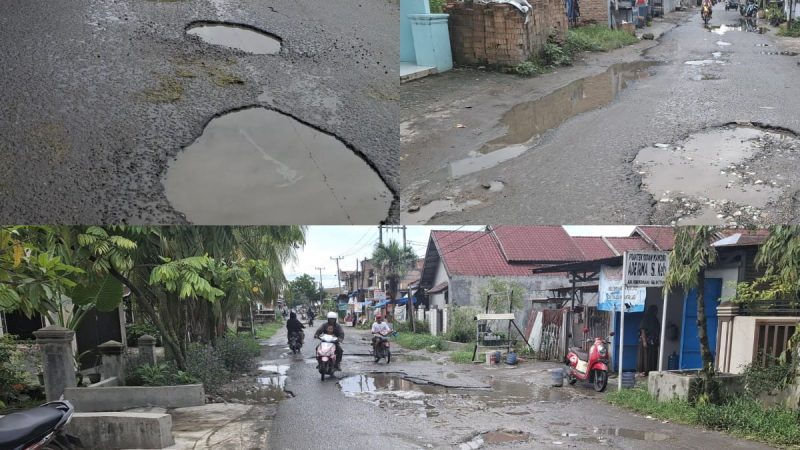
[(649, 333)]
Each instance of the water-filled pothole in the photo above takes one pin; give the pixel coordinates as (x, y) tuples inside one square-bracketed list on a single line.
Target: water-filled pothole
[(256, 166), (420, 215), (725, 175), (495, 437), (274, 375), (241, 37), (638, 435), (780, 53), (526, 122)]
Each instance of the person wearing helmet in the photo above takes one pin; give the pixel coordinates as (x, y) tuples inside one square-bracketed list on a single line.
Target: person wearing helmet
[(380, 330), (331, 327)]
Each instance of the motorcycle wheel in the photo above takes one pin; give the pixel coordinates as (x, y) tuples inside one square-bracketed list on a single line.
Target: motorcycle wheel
[(571, 380), (600, 380), (322, 375), (388, 356)]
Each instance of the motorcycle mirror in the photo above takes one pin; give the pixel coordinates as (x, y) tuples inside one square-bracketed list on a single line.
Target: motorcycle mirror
[(611, 334)]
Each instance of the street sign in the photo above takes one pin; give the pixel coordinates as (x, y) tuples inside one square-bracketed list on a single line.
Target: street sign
[(610, 290), (645, 268)]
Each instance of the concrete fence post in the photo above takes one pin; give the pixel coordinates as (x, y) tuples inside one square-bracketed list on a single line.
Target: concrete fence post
[(726, 312), (147, 349), (58, 360), (113, 363)]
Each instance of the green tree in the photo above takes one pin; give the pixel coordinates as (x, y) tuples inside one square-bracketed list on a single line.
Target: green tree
[(689, 259), (303, 290), (394, 262)]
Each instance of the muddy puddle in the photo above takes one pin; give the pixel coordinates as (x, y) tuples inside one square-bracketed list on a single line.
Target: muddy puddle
[(495, 437), (429, 400), (273, 375), (235, 36), (422, 214), (526, 122), (719, 176), (256, 166)]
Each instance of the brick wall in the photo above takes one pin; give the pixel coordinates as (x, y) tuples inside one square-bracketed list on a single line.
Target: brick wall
[(593, 11), (498, 34)]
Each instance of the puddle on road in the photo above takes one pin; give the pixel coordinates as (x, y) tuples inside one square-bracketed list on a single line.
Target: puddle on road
[(780, 53), (704, 62), (236, 36), (638, 435), (495, 437), (712, 166), (256, 166), (428, 211), (525, 122), (723, 43), (274, 376), (722, 29)]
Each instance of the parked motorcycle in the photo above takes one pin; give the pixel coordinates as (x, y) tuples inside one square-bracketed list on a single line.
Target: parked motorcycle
[(42, 427), (294, 343), (381, 348), (591, 366), (705, 13), (731, 4), (326, 355)]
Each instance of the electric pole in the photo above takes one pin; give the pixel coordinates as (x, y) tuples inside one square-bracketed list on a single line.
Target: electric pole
[(338, 274), (321, 289)]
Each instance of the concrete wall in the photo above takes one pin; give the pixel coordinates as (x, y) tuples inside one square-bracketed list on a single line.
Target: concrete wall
[(119, 398), (441, 276), (111, 430), (499, 34), (406, 38), (730, 278), (666, 386), (743, 340)]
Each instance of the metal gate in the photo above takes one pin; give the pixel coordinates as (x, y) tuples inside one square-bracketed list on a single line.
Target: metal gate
[(550, 345)]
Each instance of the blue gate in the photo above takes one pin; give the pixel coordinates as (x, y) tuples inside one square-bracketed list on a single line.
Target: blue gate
[(690, 357), (631, 341)]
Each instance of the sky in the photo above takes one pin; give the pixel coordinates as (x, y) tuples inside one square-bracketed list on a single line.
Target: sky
[(357, 242)]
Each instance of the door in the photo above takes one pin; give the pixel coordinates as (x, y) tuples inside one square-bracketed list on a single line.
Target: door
[(690, 357), (631, 341)]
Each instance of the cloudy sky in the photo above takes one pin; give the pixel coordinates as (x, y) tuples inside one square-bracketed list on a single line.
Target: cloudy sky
[(357, 242)]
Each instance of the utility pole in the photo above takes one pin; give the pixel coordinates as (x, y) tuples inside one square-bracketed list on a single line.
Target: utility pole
[(338, 274), (320, 283)]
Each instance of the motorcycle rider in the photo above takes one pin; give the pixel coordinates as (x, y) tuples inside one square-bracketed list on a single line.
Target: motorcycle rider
[(294, 326), (710, 5), (379, 329), (331, 327)]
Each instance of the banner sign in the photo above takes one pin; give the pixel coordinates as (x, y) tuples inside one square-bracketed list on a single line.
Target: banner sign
[(646, 268), (610, 292), (379, 295)]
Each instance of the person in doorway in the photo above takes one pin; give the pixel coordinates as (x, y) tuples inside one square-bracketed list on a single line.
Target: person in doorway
[(649, 332), (380, 330), (334, 329), (294, 326)]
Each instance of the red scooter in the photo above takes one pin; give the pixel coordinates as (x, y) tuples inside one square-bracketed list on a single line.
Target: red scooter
[(591, 366)]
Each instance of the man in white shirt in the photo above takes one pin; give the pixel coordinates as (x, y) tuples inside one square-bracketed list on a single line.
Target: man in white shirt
[(379, 329)]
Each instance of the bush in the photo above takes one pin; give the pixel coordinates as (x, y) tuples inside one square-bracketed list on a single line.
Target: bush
[(133, 331), (461, 356), (530, 68), (238, 352), (162, 374), (555, 55), (462, 325), (204, 364), (758, 377), (437, 6), (268, 330), (11, 373), (793, 31), (596, 38), (417, 341), (405, 327)]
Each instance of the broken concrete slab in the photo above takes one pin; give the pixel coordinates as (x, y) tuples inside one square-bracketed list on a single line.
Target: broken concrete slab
[(120, 430)]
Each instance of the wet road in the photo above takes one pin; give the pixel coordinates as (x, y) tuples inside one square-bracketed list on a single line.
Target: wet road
[(99, 96), (461, 407), (579, 167)]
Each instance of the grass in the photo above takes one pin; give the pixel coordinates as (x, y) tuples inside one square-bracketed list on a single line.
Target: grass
[(417, 341), (739, 416), (793, 31), (268, 330), (590, 38), (461, 357)]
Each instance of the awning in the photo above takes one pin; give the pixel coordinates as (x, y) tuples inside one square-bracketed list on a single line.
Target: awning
[(404, 300), (441, 287), (380, 304)]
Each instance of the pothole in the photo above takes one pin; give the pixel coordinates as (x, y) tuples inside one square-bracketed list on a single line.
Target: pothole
[(724, 28), (780, 53), (728, 175), (274, 375), (704, 62), (495, 437), (420, 215), (638, 435), (241, 37), (723, 43), (526, 122), (256, 166)]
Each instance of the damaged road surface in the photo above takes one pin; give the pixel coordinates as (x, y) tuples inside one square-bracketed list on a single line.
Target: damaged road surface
[(578, 145), (422, 400), (100, 97)]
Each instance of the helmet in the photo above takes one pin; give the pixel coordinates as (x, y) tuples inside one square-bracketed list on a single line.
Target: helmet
[(333, 315), (378, 316)]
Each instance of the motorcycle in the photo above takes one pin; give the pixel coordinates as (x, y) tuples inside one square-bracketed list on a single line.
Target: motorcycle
[(294, 343), (731, 4), (751, 17), (42, 427), (326, 355), (705, 13), (381, 347), (591, 366)]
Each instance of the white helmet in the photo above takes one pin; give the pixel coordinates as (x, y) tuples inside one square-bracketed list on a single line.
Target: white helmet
[(333, 315)]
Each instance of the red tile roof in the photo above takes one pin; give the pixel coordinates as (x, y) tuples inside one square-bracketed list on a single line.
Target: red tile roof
[(541, 244), (475, 253), (623, 244), (662, 236), (593, 247)]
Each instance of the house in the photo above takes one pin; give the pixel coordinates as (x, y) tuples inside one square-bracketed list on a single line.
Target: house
[(424, 41)]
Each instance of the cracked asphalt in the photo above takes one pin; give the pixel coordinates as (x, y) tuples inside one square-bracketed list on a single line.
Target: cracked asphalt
[(582, 170), (82, 139)]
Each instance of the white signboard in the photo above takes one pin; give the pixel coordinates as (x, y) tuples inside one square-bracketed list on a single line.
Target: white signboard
[(379, 295), (610, 292), (645, 268)]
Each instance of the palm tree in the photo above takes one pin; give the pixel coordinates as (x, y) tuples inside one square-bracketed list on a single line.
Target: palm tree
[(394, 261), (689, 258)]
